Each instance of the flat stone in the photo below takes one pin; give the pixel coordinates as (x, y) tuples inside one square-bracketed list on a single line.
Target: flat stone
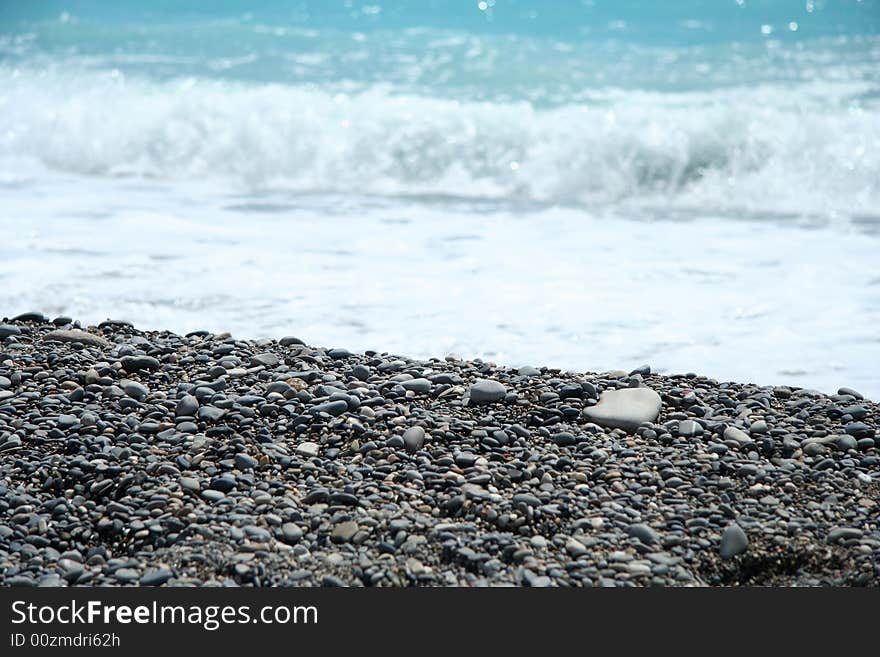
[(689, 428), (127, 575), (307, 449), (737, 435), (486, 391), (77, 335), (344, 531), (134, 389), (266, 360), (139, 363), (625, 409), (156, 577), (211, 413), (333, 408), (189, 483), (8, 329), (417, 385), (644, 533), (39, 318), (843, 534), (245, 461), (575, 548)]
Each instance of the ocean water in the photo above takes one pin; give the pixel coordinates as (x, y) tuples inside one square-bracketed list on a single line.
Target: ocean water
[(589, 185)]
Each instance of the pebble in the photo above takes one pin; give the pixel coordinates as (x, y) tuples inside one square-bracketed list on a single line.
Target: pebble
[(625, 409), (77, 335), (486, 391), (417, 385), (414, 439), (291, 532), (245, 461), (135, 390), (344, 532), (156, 577), (187, 406), (226, 461), (7, 330), (733, 541), (644, 533), (737, 435)]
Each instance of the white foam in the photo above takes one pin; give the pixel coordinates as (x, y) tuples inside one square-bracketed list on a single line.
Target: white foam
[(808, 148)]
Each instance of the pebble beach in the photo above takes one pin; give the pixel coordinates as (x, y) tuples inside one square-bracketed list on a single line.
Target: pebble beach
[(149, 458)]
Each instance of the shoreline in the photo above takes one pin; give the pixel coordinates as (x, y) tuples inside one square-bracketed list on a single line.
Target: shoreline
[(130, 457)]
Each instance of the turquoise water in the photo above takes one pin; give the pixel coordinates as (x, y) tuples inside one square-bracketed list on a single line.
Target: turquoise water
[(692, 184), (573, 102)]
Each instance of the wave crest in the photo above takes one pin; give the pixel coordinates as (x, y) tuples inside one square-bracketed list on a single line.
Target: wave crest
[(770, 147)]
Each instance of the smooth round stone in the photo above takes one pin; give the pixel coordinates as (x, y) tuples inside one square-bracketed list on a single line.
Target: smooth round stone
[(135, 390), (266, 360), (212, 495), (487, 391), (733, 541), (139, 363), (843, 534), (39, 318), (737, 435), (344, 531), (413, 439), (223, 484), (333, 408), (245, 461), (526, 498), (156, 577), (850, 392), (689, 428), (417, 385), (528, 370), (189, 483), (291, 533), (625, 409), (307, 448), (859, 430), (564, 439), (866, 443), (847, 442), (360, 372), (210, 413), (8, 329), (50, 581), (188, 406), (642, 532), (126, 575)]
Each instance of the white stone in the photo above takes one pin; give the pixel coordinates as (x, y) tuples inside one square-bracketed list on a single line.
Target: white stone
[(625, 409)]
